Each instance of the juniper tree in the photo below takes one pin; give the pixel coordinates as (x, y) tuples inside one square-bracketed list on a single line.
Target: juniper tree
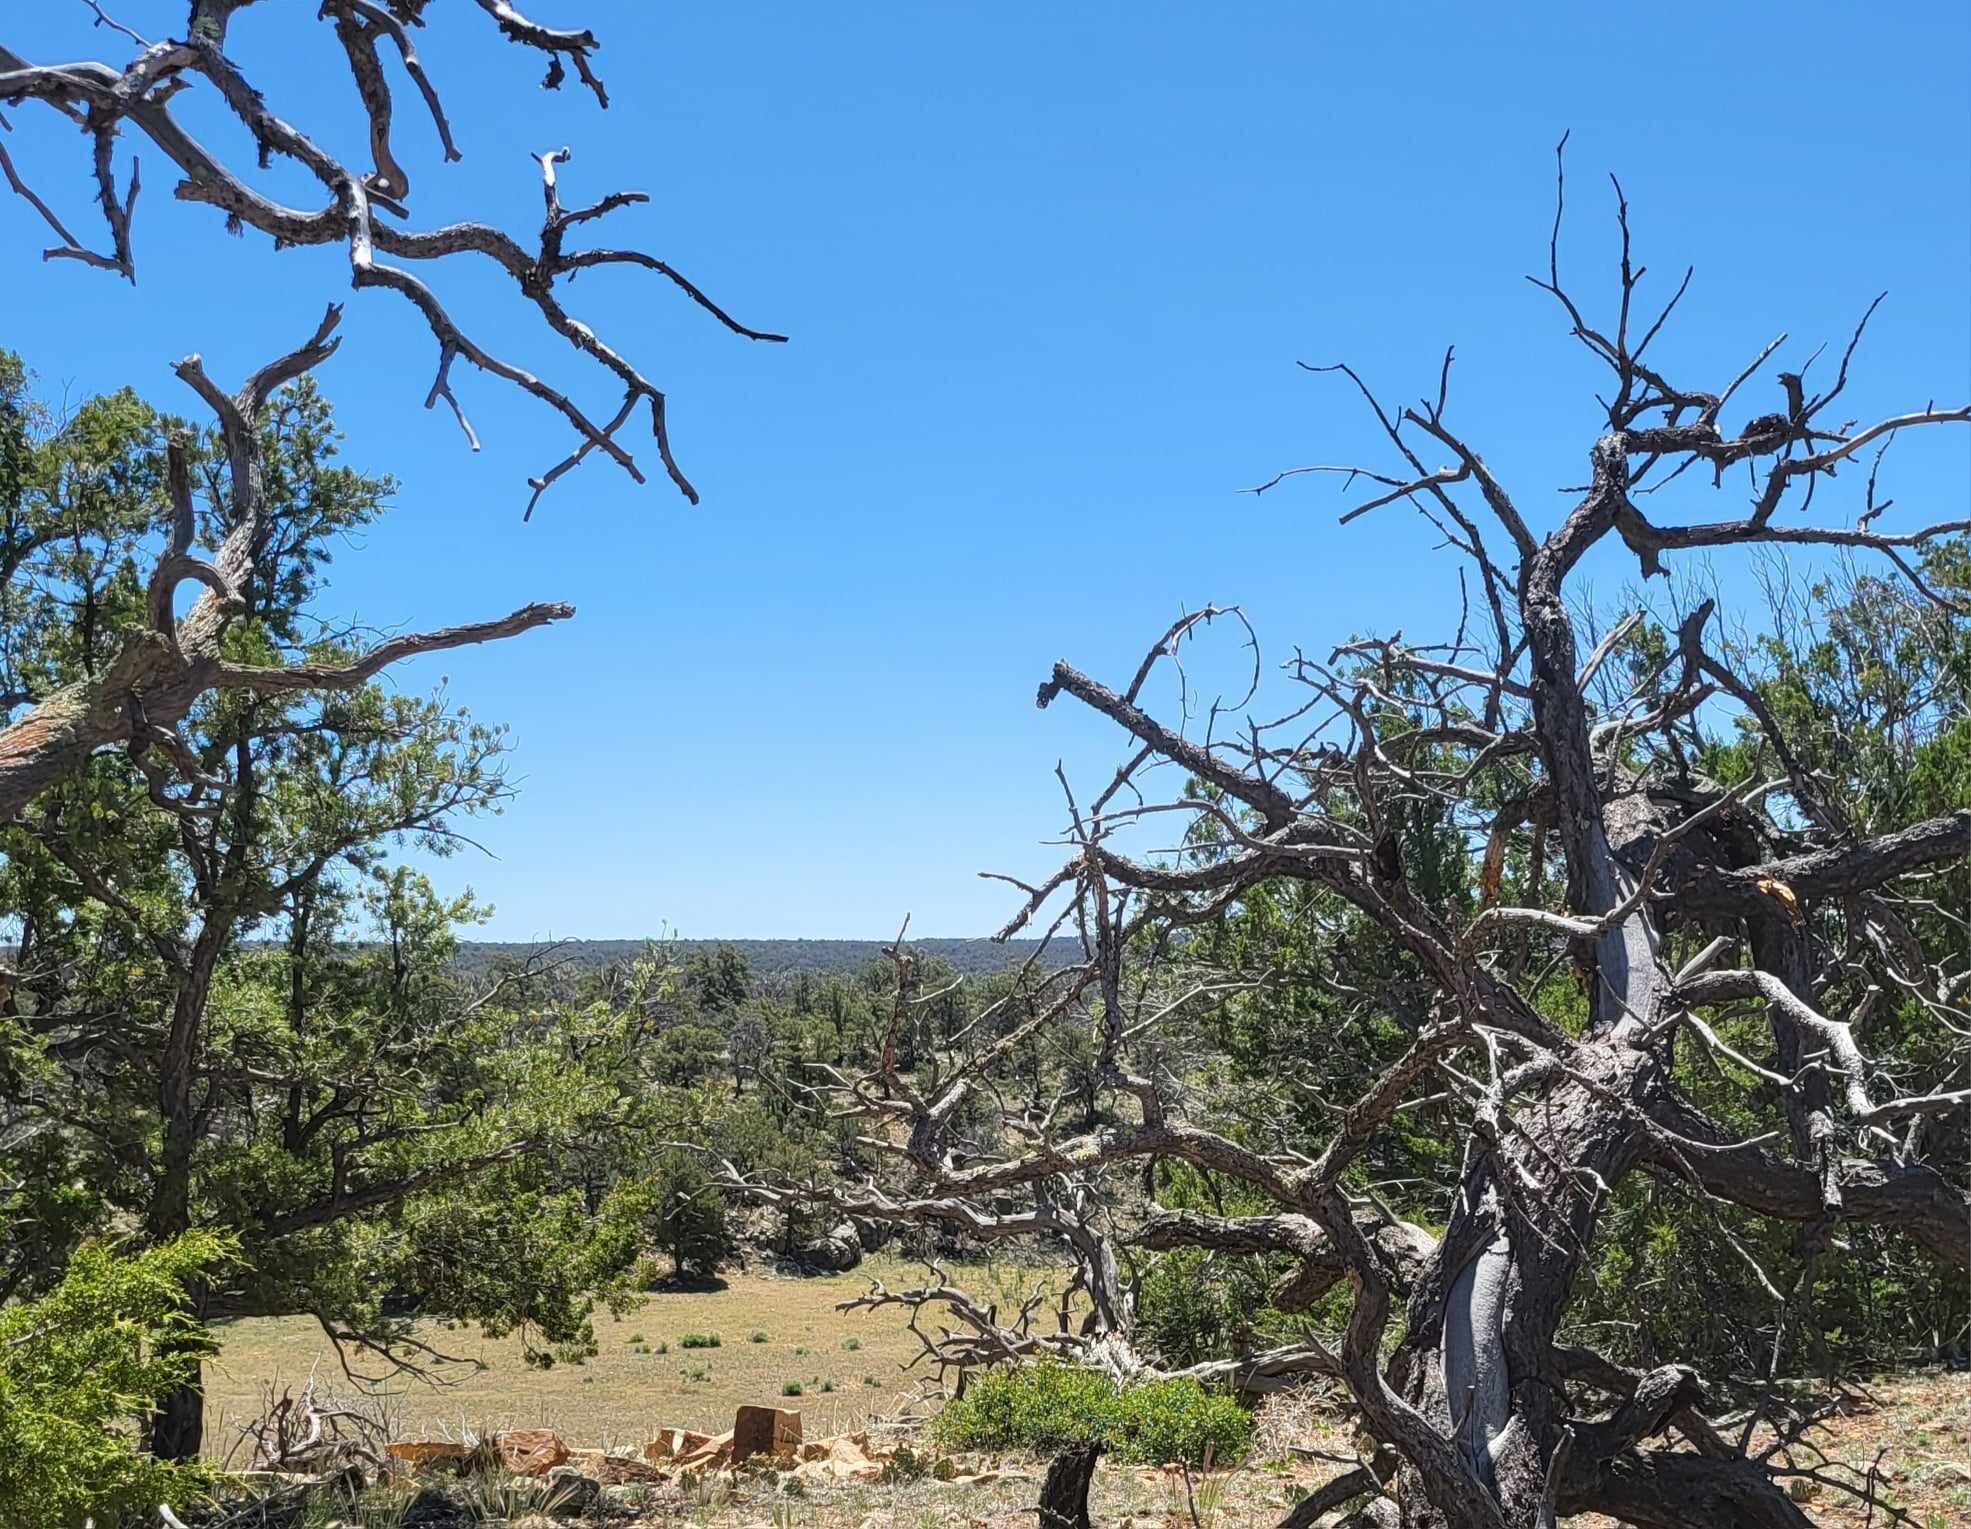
[(1585, 912)]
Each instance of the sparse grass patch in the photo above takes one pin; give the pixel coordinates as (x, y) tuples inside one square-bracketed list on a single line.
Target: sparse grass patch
[(619, 1394)]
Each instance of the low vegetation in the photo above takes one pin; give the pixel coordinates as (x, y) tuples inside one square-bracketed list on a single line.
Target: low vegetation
[(1046, 1407), (110, 1340)]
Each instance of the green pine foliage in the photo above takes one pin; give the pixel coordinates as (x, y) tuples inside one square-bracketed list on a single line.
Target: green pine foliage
[(687, 1219), (81, 1367)]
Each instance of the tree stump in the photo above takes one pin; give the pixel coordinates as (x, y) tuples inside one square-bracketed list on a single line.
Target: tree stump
[(1064, 1494)]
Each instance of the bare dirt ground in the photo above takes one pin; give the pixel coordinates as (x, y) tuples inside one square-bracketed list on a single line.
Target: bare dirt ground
[(1915, 1428)]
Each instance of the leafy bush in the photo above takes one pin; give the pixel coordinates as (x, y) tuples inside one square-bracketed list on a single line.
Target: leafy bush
[(1048, 1406), (757, 1337), (1180, 1420), (1044, 1407), (790, 1388), (81, 1364), (698, 1340)]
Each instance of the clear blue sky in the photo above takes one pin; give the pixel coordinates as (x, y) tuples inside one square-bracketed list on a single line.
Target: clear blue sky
[(1047, 269)]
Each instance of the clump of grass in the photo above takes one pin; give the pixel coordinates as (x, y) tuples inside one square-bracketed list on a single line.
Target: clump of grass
[(757, 1337), (872, 1382), (696, 1372), (661, 1348), (851, 1344), (905, 1466), (828, 1385), (790, 1388), (698, 1340), (636, 1337)]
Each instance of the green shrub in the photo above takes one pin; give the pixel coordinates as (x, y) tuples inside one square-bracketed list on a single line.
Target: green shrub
[(1191, 1306), (757, 1337), (1044, 1407), (1185, 1313), (851, 1344), (698, 1340), (83, 1363), (1180, 1420), (1048, 1406), (790, 1388)]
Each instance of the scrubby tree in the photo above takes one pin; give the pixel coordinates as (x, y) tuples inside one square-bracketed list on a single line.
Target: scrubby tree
[(1565, 915), (688, 1214), (177, 782), (229, 1009)]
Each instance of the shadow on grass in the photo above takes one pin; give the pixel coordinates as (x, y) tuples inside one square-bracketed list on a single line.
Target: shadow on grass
[(686, 1284)]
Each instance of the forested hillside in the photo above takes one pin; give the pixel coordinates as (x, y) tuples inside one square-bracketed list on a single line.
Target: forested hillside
[(766, 959)]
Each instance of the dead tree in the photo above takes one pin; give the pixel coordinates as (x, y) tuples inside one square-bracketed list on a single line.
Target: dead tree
[(1674, 896), (139, 698)]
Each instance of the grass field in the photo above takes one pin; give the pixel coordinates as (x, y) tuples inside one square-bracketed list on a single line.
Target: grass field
[(848, 1364), (1917, 1427)]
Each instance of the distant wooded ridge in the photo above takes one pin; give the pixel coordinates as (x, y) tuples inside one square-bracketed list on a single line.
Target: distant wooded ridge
[(765, 958)]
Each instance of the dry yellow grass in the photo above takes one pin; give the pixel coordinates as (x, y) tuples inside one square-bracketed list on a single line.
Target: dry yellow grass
[(624, 1395)]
